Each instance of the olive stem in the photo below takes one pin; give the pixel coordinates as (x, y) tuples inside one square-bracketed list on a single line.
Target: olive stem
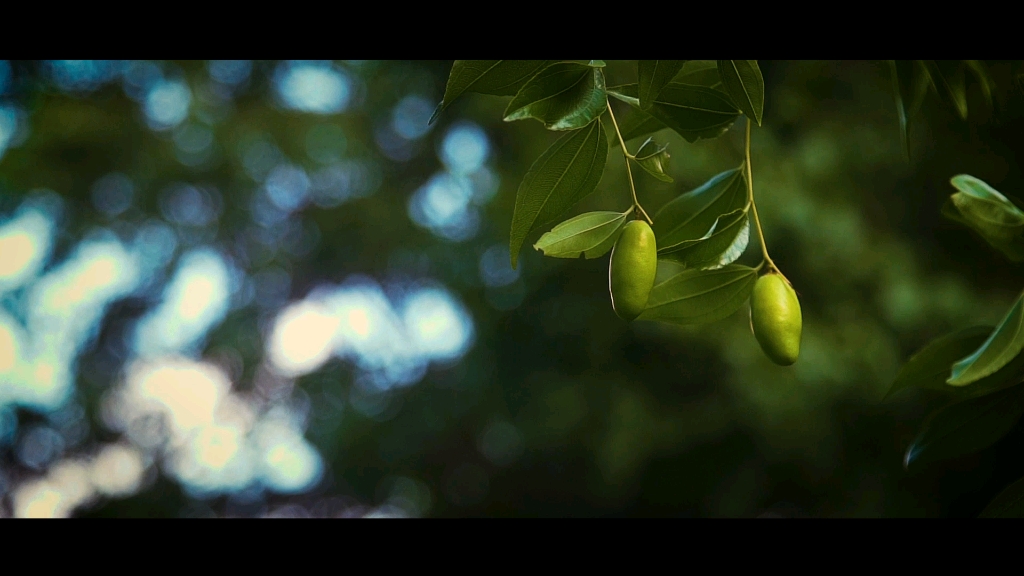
[(629, 170), (753, 206)]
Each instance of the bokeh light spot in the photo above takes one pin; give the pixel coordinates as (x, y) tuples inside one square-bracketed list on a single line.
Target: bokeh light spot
[(167, 104), (113, 194), (465, 148), (313, 87)]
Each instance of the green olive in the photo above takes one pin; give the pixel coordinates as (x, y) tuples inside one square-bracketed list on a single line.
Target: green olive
[(631, 269), (775, 317)]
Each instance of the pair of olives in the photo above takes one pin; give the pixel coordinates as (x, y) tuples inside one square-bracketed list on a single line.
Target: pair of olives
[(774, 307)]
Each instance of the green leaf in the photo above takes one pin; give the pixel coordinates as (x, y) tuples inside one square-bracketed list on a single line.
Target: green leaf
[(700, 73), (666, 270), (910, 80), (988, 213), (591, 63), (564, 96), (743, 80), (694, 112), (980, 71), (901, 108), (966, 427), (496, 77), (722, 245), (697, 297), (1001, 347), (637, 123), (565, 173), (626, 93), (1008, 504), (948, 79), (653, 76), (690, 216), (653, 159), (930, 367), (591, 234)]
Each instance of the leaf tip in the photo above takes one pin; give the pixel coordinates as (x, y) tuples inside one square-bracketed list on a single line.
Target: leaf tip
[(436, 114)]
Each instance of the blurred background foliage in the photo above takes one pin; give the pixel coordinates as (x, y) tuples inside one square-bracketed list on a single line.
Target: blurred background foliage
[(249, 288)]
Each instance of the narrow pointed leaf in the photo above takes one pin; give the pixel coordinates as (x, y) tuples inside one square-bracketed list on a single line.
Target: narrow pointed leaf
[(720, 246), (591, 234), (653, 76), (1001, 347), (564, 96), (697, 297), (901, 107), (980, 71), (966, 427), (626, 93), (948, 79), (1008, 504), (496, 77), (567, 172), (653, 159), (744, 83), (700, 73), (920, 81), (691, 215)]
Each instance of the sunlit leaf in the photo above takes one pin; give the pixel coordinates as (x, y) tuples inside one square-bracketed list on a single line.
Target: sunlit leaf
[(988, 213), (653, 159), (497, 77), (736, 249), (698, 296), (690, 216), (948, 78), (744, 83), (966, 427), (1001, 347), (1008, 504), (567, 171), (720, 246), (564, 96), (653, 76), (591, 234), (700, 73)]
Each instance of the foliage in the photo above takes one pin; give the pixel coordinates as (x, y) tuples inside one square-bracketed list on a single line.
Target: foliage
[(702, 232)]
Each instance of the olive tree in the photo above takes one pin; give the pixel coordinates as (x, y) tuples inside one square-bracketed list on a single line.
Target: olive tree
[(678, 265)]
